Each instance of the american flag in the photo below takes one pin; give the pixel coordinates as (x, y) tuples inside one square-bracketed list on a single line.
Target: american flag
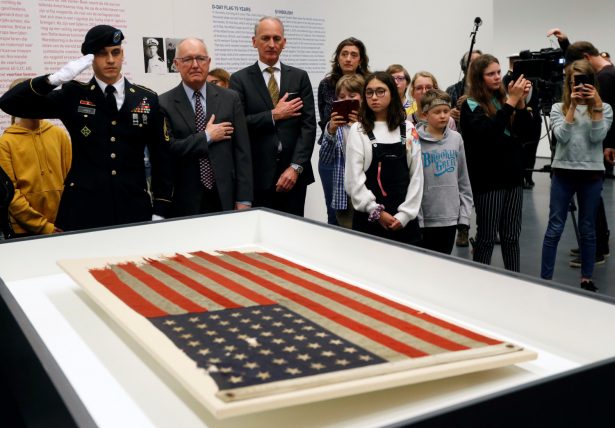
[(255, 321)]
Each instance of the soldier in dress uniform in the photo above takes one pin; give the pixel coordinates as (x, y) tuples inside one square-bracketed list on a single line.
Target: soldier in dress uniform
[(155, 64), (110, 122)]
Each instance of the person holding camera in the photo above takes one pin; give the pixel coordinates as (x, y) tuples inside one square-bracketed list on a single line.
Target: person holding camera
[(580, 124), (605, 76), (493, 126)]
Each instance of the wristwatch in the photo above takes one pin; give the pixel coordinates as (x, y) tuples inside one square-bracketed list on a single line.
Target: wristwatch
[(298, 168)]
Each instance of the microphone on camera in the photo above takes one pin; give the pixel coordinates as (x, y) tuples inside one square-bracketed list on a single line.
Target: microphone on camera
[(477, 21)]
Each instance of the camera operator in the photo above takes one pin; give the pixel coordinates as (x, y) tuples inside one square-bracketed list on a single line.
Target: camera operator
[(530, 145), (456, 92), (605, 75)]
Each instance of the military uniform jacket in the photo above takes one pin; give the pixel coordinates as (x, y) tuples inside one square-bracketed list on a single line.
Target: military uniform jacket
[(106, 184)]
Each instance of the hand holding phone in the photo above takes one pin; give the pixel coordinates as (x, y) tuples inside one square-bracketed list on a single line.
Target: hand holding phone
[(344, 107), (583, 79)]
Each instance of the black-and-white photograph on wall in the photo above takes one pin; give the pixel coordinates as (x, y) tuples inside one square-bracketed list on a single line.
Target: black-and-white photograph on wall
[(171, 45), (153, 55)]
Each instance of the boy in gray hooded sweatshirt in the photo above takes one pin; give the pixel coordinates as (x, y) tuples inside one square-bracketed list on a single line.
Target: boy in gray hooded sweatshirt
[(447, 194)]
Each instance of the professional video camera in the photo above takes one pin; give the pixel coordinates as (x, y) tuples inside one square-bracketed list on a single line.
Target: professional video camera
[(545, 68)]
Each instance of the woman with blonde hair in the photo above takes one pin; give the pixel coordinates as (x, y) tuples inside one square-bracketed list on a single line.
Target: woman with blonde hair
[(580, 122)]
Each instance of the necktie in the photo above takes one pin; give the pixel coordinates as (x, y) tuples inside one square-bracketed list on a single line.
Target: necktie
[(272, 86), (206, 172), (110, 98)]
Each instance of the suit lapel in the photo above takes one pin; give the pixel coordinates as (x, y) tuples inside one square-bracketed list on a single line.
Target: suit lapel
[(258, 82), (284, 79), (211, 101), (184, 107)]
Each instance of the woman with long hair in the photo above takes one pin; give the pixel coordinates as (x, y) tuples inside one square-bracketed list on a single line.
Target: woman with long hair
[(350, 57), (384, 173), (494, 123), (580, 123)]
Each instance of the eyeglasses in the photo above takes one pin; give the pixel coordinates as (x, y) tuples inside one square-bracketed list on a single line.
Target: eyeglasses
[(423, 88), (380, 92), (399, 79), (188, 60)]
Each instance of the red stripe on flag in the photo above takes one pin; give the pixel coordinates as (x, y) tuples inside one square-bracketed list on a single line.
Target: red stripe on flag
[(376, 314), (441, 323), (366, 331), (199, 288), (126, 294), (224, 281), (162, 289)]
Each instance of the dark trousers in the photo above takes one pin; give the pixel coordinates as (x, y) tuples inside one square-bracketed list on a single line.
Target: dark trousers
[(210, 201), (440, 239), (499, 211), (326, 178), (292, 202), (602, 230), (529, 159)]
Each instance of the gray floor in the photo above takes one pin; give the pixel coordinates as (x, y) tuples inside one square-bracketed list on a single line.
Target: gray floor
[(535, 218)]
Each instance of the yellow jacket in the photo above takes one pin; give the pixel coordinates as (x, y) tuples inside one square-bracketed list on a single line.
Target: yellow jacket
[(37, 162)]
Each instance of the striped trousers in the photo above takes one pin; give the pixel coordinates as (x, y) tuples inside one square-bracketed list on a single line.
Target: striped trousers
[(499, 211)]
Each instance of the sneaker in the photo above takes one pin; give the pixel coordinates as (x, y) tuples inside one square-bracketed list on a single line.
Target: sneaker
[(576, 262), (589, 286), (575, 252), (462, 238)]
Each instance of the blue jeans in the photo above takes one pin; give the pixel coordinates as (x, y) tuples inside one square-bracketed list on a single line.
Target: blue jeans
[(326, 178), (588, 197)]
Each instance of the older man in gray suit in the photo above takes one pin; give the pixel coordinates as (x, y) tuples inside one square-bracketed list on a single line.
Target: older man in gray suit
[(209, 139)]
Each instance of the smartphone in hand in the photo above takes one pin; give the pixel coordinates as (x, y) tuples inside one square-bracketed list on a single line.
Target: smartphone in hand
[(583, 79)]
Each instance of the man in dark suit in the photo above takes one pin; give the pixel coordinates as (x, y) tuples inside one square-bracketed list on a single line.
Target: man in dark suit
[(110, 122), (209, 138), (279, 107)]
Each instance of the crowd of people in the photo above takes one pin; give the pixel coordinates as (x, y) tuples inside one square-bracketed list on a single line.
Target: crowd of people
[(399, 158)]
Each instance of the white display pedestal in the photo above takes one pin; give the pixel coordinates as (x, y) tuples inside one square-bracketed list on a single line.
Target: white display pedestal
[(113, 382)]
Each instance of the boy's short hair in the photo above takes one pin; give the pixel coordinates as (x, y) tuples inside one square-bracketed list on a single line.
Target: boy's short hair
[(351, 83), (433, 98)]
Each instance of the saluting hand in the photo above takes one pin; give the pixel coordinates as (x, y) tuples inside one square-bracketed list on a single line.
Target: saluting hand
[(219, 131), (70, 70)]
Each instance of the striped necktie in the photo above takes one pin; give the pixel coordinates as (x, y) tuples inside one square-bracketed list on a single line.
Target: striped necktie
[(272, 86), (206, 171)]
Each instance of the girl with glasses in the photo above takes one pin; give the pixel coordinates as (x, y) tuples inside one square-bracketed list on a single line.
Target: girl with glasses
[(494, 125), (402, 80), (580, 123), (384, 175)]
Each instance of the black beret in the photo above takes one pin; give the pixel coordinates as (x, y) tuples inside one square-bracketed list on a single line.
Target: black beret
[(100, 37)]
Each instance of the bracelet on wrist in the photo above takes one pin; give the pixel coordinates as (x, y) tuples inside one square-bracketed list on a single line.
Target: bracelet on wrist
[(597, 110), (374, 216)]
